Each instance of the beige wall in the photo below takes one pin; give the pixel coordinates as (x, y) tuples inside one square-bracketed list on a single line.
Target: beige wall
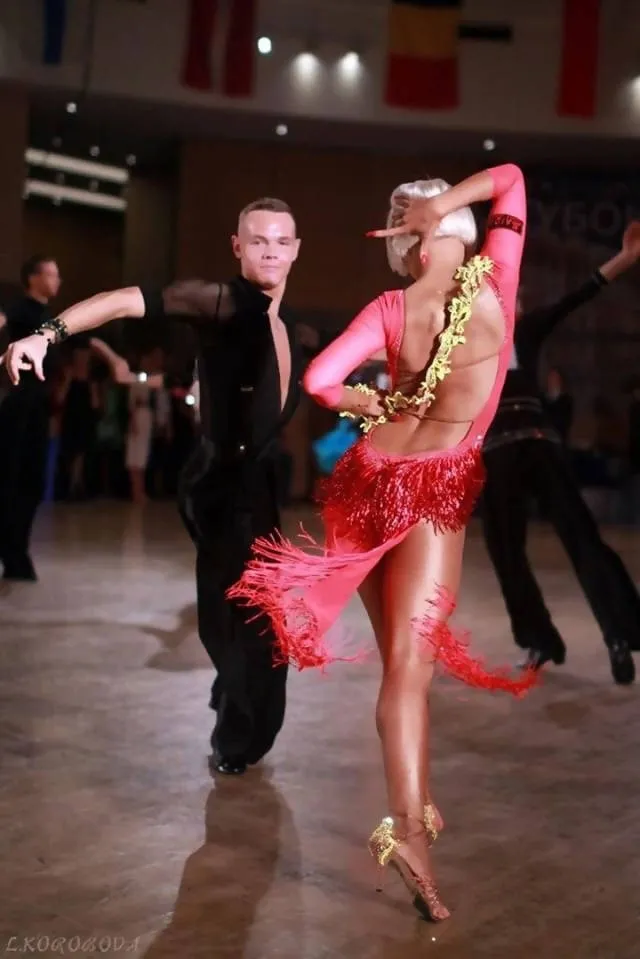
[(13, 140), (336, 196)]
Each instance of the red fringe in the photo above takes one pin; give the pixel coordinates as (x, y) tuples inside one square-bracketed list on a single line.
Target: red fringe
[(370, 498), (369, 501), (272, 581), (451, 651)]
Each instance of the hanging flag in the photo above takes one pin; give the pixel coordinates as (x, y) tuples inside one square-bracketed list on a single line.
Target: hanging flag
[(55, 23), (237, 32), (578, 89), (196, 66), (239, 60), (422, 58)]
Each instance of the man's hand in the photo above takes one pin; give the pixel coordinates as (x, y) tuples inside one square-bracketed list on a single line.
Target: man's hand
[(631, 240), (26, 354)]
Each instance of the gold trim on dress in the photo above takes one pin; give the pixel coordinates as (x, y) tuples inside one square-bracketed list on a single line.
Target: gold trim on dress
[(460, 308)]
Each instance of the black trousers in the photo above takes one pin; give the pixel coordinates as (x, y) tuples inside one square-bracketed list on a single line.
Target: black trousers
[(224, 510), (538, 469), (24, 441)]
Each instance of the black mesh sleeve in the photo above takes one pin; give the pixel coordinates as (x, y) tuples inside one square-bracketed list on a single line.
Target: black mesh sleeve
[(193, 300)]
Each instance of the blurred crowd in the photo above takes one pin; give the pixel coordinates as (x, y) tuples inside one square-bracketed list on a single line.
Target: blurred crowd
[(108, 440)]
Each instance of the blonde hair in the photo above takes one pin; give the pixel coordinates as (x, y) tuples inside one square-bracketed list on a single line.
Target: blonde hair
[(460, 224)]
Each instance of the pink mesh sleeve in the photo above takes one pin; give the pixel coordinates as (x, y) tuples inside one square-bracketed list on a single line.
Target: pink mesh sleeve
[(365, 335), (506, 230)]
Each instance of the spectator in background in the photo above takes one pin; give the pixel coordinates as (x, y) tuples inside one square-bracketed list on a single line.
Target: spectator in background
[(559, 404), (633, 450), (139, 434), (79, 399), (24, 425), (4, 342)]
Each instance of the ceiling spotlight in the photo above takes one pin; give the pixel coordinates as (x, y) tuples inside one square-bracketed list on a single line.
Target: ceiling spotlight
[(282, 129), (56, 200), (264, 45), (131, 159), (307, 69), (350, 66), (57, 142), (489, 144), (95, 151), (72, 107)]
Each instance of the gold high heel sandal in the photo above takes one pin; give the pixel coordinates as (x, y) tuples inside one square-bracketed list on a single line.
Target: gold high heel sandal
[(431, 817), (386, 847)]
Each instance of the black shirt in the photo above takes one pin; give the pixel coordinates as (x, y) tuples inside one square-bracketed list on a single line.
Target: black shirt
[(24, 317), (634, 437), (522, 413), (240, 398)]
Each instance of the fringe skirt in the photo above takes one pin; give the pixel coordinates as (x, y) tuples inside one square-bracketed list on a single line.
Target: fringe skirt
[(369, 504)]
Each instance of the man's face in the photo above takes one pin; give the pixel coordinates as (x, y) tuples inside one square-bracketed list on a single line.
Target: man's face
[(267, 246), (46, 282)]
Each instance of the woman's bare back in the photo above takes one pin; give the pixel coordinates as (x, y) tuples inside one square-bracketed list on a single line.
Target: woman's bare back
[(463, 394)]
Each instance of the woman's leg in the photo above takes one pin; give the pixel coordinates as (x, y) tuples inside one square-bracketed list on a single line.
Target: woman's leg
[(371, 595), (138, 491), (416, 571)]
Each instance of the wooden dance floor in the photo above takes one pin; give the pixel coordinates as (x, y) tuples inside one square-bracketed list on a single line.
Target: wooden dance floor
[(115, 838)]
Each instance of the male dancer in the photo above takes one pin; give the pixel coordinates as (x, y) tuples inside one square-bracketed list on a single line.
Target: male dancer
[(24, 426), (248, 372), (524, 457)]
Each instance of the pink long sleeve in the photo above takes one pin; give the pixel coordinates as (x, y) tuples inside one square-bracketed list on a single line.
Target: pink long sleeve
[(506, 230), (365, 335)]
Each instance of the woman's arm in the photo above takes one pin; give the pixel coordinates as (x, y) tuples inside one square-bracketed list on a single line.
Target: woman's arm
[(506, 226), (118, 366), (326, 374)]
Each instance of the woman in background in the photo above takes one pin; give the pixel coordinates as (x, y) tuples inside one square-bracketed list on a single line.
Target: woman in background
[(79, 400)]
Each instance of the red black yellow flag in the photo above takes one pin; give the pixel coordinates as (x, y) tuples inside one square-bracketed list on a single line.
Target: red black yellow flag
[(422, 60)]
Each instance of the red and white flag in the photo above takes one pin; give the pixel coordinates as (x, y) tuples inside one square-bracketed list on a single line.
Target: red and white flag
[(220, 46)]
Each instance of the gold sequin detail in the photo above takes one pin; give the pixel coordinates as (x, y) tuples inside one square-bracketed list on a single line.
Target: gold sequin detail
[(460, 308), (382, 842), (430, 823)]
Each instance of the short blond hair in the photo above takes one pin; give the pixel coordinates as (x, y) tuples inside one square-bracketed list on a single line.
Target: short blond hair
[(460, 224)]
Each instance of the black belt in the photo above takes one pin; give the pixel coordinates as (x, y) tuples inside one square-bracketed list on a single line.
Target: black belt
[(506, 437), (509, 404)]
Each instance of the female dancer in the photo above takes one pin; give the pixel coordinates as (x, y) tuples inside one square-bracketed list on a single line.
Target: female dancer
[(396, 507)]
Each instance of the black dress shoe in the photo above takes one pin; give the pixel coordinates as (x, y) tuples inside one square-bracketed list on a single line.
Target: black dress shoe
[(229, 765), (537, 658), (20, 570), (623, 667)]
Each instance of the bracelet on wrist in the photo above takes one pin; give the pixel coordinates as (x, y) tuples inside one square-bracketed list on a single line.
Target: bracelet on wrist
[(55, 326)]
